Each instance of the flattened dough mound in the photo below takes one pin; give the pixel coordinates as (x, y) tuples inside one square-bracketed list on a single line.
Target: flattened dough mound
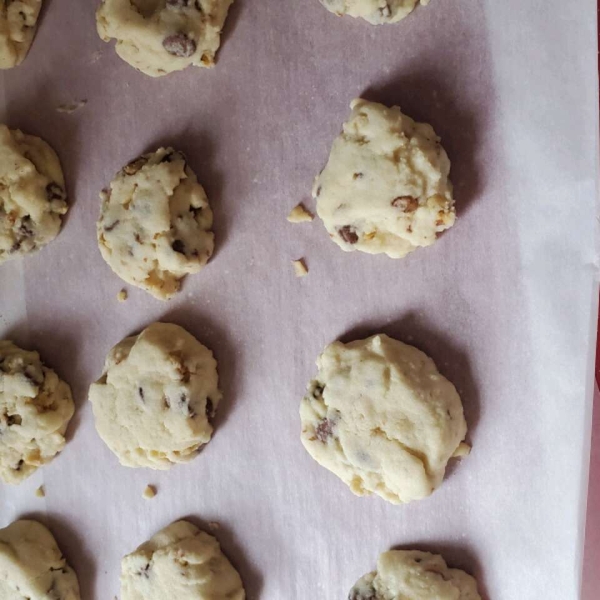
[(32, 193), (35, 409), (180, 561), (156, 398), (155, 223), (376, 12), (32, 566), (161, 36), (381, 417), (18, 22), (414, 575), (385, 188)]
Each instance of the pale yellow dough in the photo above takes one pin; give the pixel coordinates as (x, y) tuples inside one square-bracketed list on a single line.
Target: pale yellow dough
[(382, 418), (385, 188), (161, 36), (32, 193), (376, 12), (156, 398), (32, 566), (182, 562), (18, 22), (414, 575), (35, 409)]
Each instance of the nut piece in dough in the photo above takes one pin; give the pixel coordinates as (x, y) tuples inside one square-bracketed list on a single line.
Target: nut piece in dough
[(156, 398), (376, 12), (35, 409), (162, 36), (18, 21), (155, 223), (385, 188), (32, 565), (381, 417), (32, 193), (415, 575), (180, 561)]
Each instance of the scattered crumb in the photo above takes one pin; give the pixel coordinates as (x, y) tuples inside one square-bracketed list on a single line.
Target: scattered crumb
[(96, 57), (71, 107), (300, 267), (40, 492), (149, 492), (299, 214), (463, 450), (214, 526), (122, 296)]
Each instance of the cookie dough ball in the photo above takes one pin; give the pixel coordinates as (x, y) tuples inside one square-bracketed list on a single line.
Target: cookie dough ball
[(385, 188), (180, 561), (32, 565), (376, 12), (381, 417), (35, 409), (155, 223), (32, 193), (156, 398), (161, 36), (415, 575), (18, 21)]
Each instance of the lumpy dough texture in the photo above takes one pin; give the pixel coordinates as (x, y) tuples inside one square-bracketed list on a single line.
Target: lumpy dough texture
[(18, 21), (155, 223), (161, 36), (381, 417), (32, 193), (385, 188), (180, 561), (157, 396), (376, 12), (32, 566), (414, 575), (35, 409)]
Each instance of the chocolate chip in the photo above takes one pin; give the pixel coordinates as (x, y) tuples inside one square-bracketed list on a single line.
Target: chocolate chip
[(405, 203), (439, 223), (324, 430), (198, 6), (357, 176), (15, 247), (385, 11), (179, 44), (14, 420), (166, 402), (143, 572), (209, 409), (54, 192), (178, 246), (316, 391), (138, 238), (348, 234), (141, 393), (19, 465), (135, 165), (177, 3), (167, 158), (25, 229), (112, 225), (318, 192), (418, 560)]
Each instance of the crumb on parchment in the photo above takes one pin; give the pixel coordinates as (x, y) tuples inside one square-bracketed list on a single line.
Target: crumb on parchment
[(300, 214), (149, 492), (300, 268), (122, 296), (71, 107), (40, 492)]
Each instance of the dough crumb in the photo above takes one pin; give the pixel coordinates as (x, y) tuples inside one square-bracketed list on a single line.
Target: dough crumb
[(300, 268), (214, 526), (149, 492), (300, 214), (71, 107), (463, 450), (40, 492), (122, 296)]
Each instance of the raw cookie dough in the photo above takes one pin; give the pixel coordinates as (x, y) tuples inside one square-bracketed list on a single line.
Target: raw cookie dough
[(385, 188), (155, 223), (32, 566), (376, 12), (18, 21), (32, 193), (35, 409), (381, 417), (161, 36), (156, 398), (414, 575), (180, 561)]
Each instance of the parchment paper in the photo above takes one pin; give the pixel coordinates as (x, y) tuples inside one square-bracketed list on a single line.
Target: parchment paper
[(504, 302)]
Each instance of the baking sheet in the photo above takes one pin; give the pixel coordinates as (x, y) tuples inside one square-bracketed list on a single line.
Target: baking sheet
[(504, 302)]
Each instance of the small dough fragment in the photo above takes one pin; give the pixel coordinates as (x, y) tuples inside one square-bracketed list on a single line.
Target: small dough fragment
[(385, 188), (382, 418), (149, 492), (157, 396), (299, 214), (122, 296), (35, 409), (155, 223), (376, 12), (41, 492), (180, 561), (32, 193), (32, 565), (159, 37), (71, 107), (300, 268), (414, 575), (18, 23)]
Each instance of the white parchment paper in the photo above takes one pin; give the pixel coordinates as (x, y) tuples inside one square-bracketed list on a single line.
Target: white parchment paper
[(504, 302)]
